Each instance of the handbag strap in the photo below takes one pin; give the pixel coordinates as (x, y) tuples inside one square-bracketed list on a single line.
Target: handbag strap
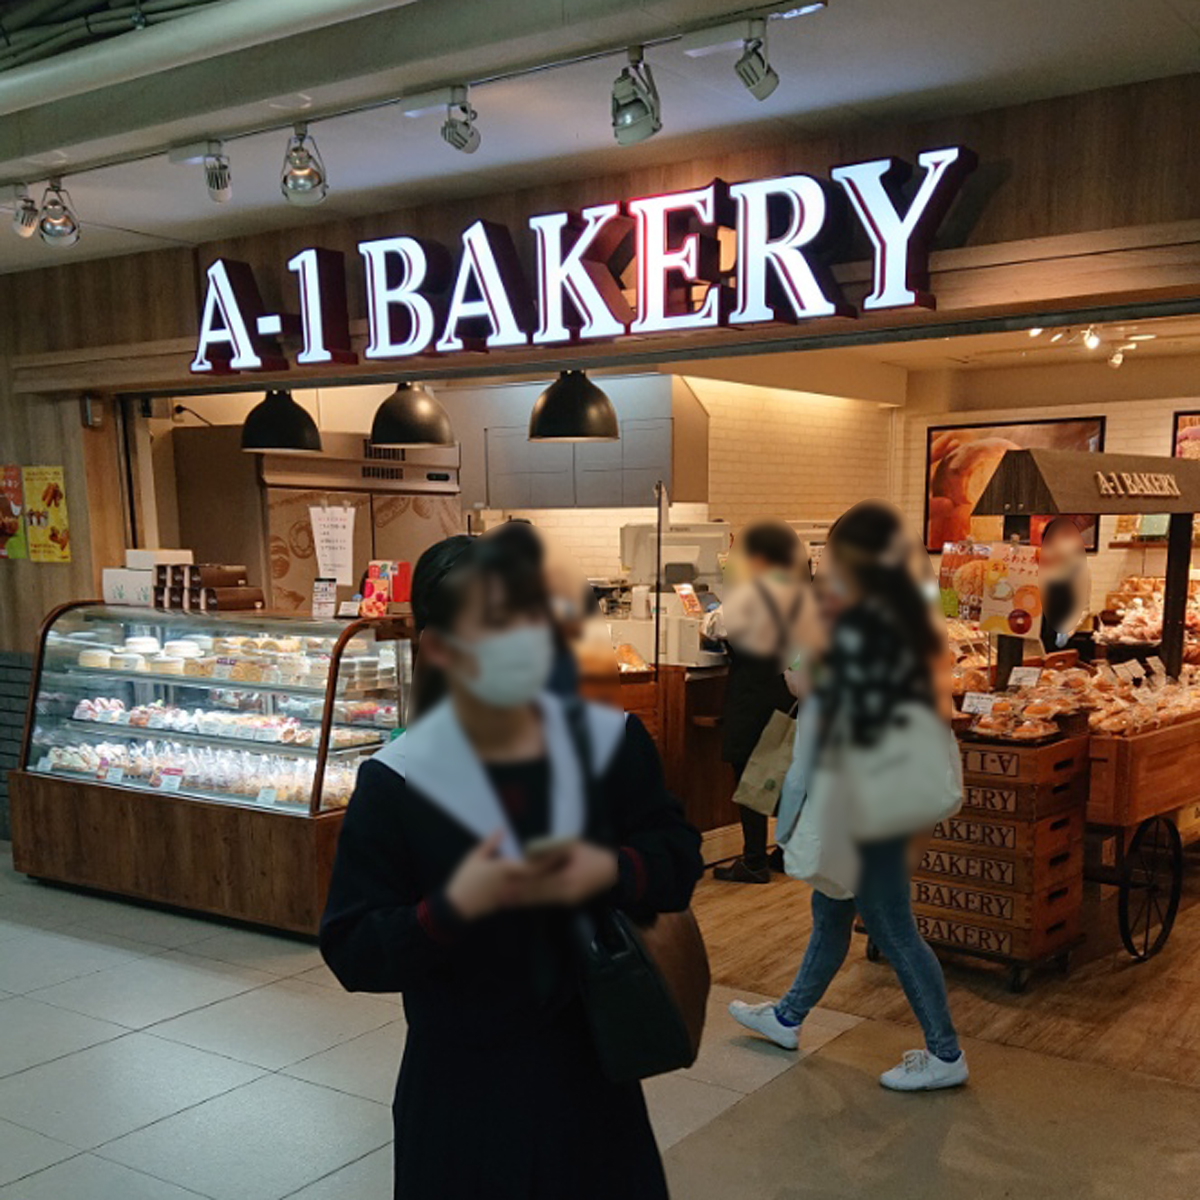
[(581, 739), (783, 628)]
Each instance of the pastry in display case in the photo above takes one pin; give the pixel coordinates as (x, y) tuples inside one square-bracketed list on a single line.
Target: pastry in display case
[(158, 724)]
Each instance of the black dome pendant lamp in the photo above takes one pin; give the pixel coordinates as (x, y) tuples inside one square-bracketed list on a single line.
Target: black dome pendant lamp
[(573, 409), (411, 416), (278, 425)]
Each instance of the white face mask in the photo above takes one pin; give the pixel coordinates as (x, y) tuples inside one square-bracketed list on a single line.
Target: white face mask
[(511, 668)]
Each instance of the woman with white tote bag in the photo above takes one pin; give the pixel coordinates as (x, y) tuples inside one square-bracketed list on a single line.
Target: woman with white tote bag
[(877, 702)]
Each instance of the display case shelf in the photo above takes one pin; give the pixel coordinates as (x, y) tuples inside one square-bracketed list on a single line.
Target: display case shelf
[(109, 730), (210, 683)]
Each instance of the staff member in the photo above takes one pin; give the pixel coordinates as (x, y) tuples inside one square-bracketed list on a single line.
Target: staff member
[(1064, 581), (501, 1095), (755, 621)]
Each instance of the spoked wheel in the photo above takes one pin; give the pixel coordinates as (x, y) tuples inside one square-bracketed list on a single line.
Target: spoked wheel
[(1151, 882)]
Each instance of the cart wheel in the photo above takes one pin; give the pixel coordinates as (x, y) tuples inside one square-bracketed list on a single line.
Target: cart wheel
[(1018, 979), (874, 954), (1151, 882)]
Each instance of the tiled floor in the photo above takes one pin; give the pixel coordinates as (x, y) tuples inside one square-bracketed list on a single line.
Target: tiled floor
[(151, 1056)]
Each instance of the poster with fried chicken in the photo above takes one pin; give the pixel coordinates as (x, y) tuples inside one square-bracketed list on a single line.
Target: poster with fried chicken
[(960, 460), (12, 514), (48, 529)]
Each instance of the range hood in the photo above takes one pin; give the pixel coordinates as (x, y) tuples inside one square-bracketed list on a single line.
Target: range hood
[(348, 462)]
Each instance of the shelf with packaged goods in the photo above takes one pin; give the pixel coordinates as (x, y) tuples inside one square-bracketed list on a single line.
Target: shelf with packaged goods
[(115, 729), (211, 682)]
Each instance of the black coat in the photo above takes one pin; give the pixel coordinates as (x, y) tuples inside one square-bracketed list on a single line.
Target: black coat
[(500, 1095)]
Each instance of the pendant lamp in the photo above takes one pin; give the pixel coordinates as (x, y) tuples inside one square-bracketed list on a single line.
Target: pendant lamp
[(278, 425), (573, 409), (411, 416)]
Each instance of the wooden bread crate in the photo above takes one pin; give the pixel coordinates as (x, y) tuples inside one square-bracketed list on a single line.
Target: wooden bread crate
[(996, 909), (986, 797), (1140, 776), (985, 762), (1024, 839), (1033, 873), (1007, 944)]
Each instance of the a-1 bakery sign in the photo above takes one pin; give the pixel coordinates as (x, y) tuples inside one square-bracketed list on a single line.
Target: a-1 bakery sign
[(420, 301)]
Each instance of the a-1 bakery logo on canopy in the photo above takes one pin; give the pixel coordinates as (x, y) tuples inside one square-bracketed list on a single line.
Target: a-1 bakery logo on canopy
[(419, 301)]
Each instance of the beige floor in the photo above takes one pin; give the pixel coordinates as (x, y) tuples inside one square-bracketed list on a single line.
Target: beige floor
[(1026, 1126)]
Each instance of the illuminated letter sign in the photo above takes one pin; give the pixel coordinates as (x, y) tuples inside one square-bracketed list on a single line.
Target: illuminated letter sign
[(234, 329), (489, 282), (581, 275), (774, 279), (902, 243), (417, 302), (665, 303), (401, 319)]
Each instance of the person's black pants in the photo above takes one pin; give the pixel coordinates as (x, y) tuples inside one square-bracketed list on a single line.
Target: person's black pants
[(754, 829)]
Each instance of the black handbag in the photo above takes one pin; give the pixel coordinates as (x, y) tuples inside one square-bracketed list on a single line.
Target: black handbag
[(644, 989)]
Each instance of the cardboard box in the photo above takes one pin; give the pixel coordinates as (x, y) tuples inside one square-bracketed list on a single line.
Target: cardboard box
[(120, 585), (147, 560)]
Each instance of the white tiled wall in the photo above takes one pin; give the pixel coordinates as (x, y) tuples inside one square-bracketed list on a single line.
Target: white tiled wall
[(1131, 427)]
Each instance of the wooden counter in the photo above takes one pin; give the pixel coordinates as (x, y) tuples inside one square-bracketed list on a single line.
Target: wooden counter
[(682, 711)]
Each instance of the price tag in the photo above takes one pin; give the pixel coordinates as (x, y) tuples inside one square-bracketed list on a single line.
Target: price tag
[(979, 703), (266, 795), (1125, 671), (111, 774), (1156, 665), (170, 779), (1024, 676), (1107, 672), (122, 717)]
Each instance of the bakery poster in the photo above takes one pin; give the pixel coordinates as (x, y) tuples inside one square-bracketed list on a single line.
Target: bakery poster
[(960, 460), (1012, 594), (1185, 441), (961, 577), (12, 514), (47, 527)]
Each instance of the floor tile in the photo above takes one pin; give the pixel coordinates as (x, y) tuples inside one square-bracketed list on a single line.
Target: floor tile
[(45, 906), (260, 1142), (38, 960), (22, 1152), (263, 951), (87, 1177), (140, 993), (279, 1025), (679, 1106), (364, 1066), (320, 975), (32, 1032), (156, 926), (95, 1095), (368, 1179)]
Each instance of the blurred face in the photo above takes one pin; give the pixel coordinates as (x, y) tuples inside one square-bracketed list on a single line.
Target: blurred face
[(499, 655)]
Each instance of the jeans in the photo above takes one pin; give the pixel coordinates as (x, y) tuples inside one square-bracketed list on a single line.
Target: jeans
[(884, 903)]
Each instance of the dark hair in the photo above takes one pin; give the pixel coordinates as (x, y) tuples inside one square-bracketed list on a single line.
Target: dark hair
[(441, 586), (773, 541), (867, 540)]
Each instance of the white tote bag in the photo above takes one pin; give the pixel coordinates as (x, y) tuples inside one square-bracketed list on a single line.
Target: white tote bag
[(908, 781), (813, 822)]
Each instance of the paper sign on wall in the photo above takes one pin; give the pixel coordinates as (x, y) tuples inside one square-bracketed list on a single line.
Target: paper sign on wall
[(12, 514), (333, 540), (47, 526)]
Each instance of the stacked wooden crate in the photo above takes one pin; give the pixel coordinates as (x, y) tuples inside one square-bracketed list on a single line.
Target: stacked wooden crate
[(1003, 880)]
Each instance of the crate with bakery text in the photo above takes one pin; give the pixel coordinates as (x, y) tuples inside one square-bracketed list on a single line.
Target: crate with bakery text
[(1019, 948), (1029, 874), (986, 797), (1144, 774), (1038, 911), (1023, 839), (1057, 762)]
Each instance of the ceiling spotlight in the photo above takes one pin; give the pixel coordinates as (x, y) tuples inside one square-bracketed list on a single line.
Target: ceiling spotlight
[(303, 180), (459, 129), (1116, 358), (1142, 337), (636, 111), (218, 176), (25, 214), (802, 10), (1091, 339), (57, 223), (1058, 337), (1036, 331), (757, 75)]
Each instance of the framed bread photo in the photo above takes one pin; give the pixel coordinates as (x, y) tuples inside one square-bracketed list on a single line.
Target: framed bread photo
[(960, 459), (1185, 437)]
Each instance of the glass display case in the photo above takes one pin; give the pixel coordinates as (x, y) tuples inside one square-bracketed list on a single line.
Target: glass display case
[(236, 708)]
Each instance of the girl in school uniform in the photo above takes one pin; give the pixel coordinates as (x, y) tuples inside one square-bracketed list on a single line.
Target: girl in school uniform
[(441, 892)]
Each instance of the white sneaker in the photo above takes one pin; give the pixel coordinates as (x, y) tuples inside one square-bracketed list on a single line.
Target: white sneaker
[(762, 1019), (924, 1072)]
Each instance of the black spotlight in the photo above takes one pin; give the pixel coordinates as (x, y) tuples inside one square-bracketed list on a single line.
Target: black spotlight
[(280, 426), (411, 416), (573, 409)]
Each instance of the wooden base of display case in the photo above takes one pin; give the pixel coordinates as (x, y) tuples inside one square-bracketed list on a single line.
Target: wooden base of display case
[(250, 864)]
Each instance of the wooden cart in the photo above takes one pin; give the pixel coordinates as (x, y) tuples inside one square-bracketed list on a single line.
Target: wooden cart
[(1139, 784)]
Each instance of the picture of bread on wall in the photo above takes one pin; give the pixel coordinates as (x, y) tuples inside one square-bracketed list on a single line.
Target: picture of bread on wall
[(959, 470)]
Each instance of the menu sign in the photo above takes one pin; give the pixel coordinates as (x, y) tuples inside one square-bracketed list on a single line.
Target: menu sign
[(48, 528)]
